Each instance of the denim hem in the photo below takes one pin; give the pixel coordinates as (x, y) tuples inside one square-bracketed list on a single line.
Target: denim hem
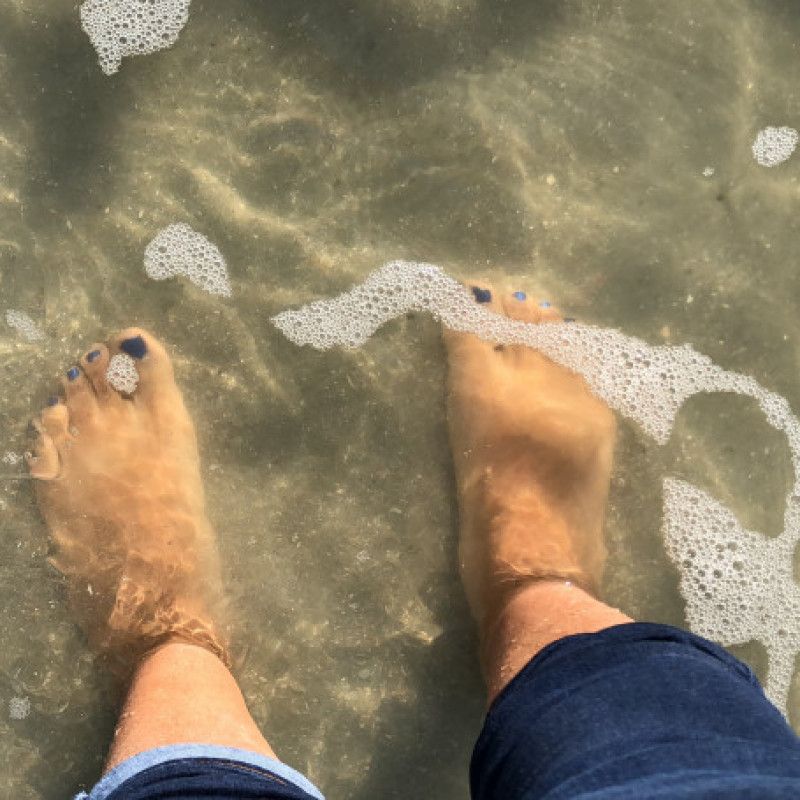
[(175, 752)]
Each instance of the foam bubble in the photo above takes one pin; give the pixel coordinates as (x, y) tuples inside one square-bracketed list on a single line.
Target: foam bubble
[(24, 325), (774, 145), (121, 373), (11, 458), (728, 598), (179, 250), (19, 707), (738, 585), (122, 28)]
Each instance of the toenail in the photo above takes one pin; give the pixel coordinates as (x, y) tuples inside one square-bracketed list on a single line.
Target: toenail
[(52, 401), (544, 304), (134, 346), (520, 295), (482, 295), (569, 319), (73, 373), (93, 356)]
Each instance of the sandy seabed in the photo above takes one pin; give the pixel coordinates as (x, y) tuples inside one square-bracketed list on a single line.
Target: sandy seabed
[(550, 147)]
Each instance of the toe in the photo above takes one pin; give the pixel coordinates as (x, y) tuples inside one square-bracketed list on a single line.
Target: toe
[(466, 344), (79, 397), (524, 307), (44, 462), (549, 313), (94, 364), (153, 365), (54, 421)]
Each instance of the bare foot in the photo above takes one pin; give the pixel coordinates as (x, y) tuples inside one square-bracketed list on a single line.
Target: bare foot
[(119, 487), (532, 449)]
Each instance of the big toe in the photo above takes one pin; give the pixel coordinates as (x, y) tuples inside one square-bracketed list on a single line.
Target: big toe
[(460, 344), (154, 379)]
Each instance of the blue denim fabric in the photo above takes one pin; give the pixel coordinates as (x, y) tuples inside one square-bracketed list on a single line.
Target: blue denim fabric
[(190, 771), (635, 712)]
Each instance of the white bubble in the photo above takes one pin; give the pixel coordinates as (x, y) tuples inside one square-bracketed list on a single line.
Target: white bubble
[(774, 145), (19, 707), (122, 28), (24, 325), (728, 598), (738, 585), (11, 458), (179, 250), (121, 373)]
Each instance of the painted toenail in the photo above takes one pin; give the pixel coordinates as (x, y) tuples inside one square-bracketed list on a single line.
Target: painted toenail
[(93, 356), (52, 401), (520, 295), (482, 295), (73, 373), (544, 304), (134, 346)]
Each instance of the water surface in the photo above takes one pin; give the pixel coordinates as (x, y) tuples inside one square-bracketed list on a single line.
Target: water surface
[(554, 147)]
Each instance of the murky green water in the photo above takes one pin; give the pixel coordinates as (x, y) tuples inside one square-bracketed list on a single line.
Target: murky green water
[(562, 144)]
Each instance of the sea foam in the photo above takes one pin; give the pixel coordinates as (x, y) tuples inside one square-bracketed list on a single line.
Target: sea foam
[(179, 250), (122, 374), (773, 146), (738, 585), (24, 325), (122, 28)]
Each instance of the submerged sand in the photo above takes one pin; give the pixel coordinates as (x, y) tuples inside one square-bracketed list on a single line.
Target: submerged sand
[(562, 146)]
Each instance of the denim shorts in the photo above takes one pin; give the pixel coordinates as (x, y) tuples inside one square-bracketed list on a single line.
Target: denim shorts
[(634, 712)]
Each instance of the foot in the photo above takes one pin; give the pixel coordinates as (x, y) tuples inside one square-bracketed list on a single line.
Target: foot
[(532, 448), (118, 483)]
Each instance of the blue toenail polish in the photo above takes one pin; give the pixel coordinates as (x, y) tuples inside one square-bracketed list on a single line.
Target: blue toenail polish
[(73, 373), (544, 304), (520, 295), (52, 401), (482, 295), (569, 319), (134, 347), (93, 356)]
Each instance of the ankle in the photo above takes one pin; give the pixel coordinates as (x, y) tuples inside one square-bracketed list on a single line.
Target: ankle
[(141, 622), (537, 614), (520, 536)]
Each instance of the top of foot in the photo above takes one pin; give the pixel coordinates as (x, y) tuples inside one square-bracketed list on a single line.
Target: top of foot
[(532, 448), (119, 487)]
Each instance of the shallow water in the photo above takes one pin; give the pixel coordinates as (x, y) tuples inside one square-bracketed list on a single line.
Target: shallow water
[(558, 146)]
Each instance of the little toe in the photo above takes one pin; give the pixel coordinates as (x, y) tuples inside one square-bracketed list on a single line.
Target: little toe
[(153, 365), (44, 463), (52, 437)]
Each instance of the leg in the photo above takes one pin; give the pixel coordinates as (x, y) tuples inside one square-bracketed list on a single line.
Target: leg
[(119, 487), (583, 702), (535, 616), (163, 708)]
